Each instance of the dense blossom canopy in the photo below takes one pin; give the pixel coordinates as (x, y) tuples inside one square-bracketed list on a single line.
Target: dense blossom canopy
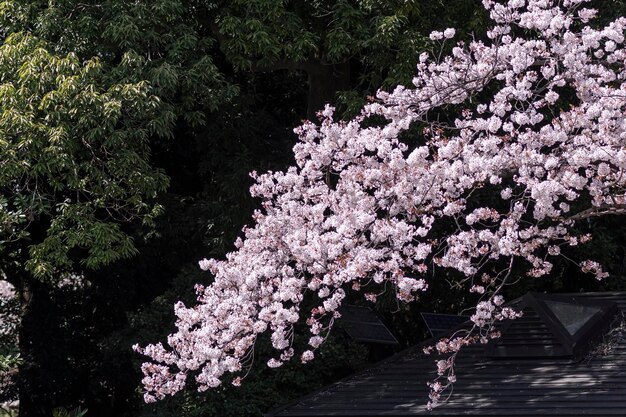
[(541, 121)]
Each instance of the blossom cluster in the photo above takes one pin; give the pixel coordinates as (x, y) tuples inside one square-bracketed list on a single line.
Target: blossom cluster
[(488, 312), (361, 209), (7, 291), (8, 311)]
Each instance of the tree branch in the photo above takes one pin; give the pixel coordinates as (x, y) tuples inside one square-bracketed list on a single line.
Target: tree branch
[(597, 212)]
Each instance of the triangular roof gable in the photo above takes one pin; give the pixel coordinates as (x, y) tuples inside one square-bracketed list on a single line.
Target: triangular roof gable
[(564, 326)]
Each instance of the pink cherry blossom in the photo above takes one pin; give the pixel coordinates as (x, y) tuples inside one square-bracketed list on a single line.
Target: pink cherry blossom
[(7, 291), (360, 209)]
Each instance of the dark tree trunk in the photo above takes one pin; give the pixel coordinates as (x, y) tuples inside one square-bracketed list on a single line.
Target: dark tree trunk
[(35, 385), (324, 83)]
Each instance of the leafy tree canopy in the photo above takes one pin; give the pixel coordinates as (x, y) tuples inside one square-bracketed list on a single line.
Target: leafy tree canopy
[(185, 48), (75, 159)]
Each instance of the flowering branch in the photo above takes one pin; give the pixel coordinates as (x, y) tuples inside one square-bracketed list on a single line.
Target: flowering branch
[(372, 226)]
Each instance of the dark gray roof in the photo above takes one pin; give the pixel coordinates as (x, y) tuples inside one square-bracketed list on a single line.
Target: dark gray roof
[(362, 325), (595, 385)]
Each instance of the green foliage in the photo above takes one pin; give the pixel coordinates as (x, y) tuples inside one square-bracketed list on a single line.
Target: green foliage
[(163, 42), (62, 412), (8, 411), (381, 40), (10, 361), (186, 48), (75, 157)]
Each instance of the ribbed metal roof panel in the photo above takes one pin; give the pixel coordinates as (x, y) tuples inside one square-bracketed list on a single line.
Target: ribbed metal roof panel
[(594, 386)]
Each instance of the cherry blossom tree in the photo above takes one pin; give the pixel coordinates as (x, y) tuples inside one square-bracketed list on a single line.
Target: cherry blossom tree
[(541, 106)]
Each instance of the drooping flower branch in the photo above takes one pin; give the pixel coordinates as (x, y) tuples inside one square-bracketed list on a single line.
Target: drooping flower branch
[(541, 124)]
